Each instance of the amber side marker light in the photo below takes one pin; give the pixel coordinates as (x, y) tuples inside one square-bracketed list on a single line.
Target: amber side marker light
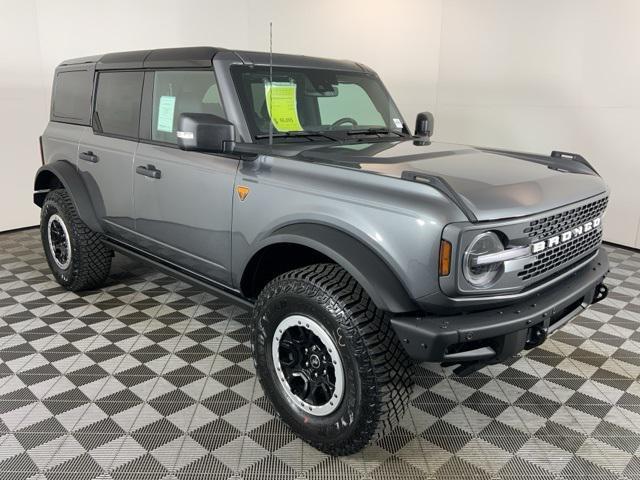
[(445, 258), (242, 192)]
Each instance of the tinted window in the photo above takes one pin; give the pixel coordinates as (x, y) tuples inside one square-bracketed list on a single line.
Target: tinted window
[(118, 103), (351, 101), (72, 96), (314, 101), (176, 92)]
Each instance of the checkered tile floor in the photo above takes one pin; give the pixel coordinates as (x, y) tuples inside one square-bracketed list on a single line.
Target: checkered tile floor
[(151, 378)]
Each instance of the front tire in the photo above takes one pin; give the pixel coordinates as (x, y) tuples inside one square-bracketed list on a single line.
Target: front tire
[(328, 359), (76, 255)]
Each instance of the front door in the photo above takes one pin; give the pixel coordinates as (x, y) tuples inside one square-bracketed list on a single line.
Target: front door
[(183, 200), (106, 151)]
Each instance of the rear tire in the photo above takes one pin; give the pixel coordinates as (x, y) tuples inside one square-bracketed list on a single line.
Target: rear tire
[(76, 255), (325, 304)]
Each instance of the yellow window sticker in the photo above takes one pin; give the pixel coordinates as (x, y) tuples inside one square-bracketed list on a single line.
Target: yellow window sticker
[(166, 109), (282, 106)]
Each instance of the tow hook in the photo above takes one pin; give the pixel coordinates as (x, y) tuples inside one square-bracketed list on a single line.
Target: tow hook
[(537, 336), (601, 293)]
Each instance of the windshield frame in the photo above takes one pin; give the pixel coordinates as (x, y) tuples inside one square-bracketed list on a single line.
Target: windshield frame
[(322, 135)]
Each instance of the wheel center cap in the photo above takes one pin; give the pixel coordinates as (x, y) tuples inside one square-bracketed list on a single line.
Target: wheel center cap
[(314, 361)]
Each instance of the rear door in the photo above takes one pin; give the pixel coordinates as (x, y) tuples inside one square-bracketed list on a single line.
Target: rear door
[(106, 151), (183, 200)]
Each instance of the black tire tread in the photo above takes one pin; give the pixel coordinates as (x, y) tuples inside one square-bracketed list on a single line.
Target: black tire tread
[(91, 258), (389, 377)]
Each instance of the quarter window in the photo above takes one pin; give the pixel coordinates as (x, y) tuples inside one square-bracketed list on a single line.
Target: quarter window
[(72, 96), (117, 110), (176, 92)]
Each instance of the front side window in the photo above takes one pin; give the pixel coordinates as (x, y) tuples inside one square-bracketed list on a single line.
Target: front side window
[(117, 109), (302, 100), (176, 92)]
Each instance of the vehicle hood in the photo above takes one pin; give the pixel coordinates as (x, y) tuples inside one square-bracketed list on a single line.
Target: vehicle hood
[(491, 185)]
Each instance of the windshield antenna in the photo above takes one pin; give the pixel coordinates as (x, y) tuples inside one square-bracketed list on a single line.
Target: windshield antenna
[(270, 82)]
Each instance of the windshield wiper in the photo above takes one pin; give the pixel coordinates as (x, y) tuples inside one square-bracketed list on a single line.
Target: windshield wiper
[(374, 131), (296, 135)]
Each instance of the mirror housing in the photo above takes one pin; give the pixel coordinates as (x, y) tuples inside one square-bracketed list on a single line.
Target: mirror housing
[(424, 125), (204, 132)]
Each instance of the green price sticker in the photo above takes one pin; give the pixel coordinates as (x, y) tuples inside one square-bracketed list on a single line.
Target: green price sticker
[(282, 106), (166, 110)]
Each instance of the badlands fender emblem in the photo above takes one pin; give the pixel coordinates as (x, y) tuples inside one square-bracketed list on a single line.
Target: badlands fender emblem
[(565, 236)]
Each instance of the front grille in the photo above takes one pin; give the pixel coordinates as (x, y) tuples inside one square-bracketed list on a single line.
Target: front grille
[(564, 253), (561, 222), (537, 267)]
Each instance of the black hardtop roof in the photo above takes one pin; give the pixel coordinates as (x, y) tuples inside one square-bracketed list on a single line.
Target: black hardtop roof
[(203, 57)]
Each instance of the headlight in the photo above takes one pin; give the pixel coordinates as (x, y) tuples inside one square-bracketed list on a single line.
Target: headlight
[(482, 276)]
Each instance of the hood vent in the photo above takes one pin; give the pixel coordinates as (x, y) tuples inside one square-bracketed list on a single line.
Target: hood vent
[(443, 187)]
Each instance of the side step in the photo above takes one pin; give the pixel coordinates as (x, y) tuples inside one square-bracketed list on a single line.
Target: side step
[(233, 296)]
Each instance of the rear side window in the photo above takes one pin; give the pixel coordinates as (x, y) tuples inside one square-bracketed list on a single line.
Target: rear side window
[(176, 92), (117, 108), (72, 96)]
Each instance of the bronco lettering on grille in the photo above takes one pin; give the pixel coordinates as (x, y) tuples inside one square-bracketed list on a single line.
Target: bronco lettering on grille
[(565, 236)]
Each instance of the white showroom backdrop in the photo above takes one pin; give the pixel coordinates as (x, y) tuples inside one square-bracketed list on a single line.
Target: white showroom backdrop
[(532, 76)]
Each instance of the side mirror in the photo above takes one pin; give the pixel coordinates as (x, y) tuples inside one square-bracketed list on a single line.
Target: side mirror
[(424, 124), (203, 132)]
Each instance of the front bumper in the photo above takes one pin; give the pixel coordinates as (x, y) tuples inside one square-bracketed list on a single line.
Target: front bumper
[(480, 338)]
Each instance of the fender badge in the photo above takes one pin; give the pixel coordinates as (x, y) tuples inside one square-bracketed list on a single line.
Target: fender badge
[(242, 192)]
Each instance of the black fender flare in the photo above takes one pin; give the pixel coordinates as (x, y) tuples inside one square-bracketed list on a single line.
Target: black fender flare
[(67, 175), (362, 263)]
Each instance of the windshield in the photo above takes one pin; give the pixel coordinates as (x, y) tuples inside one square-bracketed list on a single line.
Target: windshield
[(303, 102)]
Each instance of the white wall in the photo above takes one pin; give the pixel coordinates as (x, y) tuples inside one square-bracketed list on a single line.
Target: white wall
[(549, 75), (22, 113), (533, 76)]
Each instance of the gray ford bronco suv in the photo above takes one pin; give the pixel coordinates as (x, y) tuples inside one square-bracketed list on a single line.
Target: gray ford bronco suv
[(293, 186)]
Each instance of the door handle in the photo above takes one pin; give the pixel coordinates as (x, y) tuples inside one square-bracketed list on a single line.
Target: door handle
[(88, 156), (148, 171)]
